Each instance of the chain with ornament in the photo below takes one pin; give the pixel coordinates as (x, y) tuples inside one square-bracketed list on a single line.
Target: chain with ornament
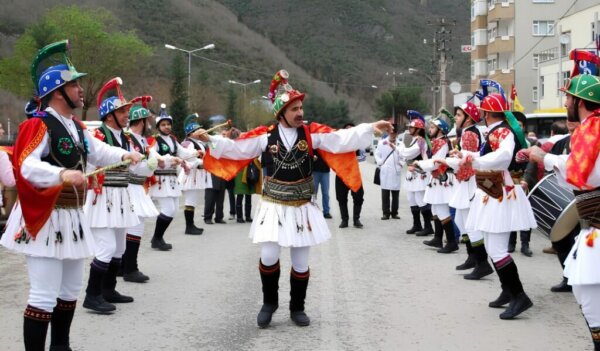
[(289, 160)]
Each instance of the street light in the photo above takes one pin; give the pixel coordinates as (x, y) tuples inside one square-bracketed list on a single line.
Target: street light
[(433, 90), (190, 52), (393, 74), (244, 85)]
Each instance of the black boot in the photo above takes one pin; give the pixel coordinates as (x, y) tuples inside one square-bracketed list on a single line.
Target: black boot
[(509, 276), (248, 207), (563, 286), (512, 242), (502, 299), (62, 316), (518, 304), (35, 328), (427, 216), (269, 276), (416, 214), (525, 238), (356, 216), (470, 262), (190, 227), (344, 214), (131, 273), (437, 238), (298, 285), (483, 267), (109, 284), (93, 293), (162, 223), (451, 244)]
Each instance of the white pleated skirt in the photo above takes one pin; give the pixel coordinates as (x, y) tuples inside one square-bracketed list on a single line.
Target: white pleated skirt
[(289, 226), (166, 186), (495, 216), (113, 208), (581, 266), (463, 193), (415, 181), (142, 202), (66, 235), (437, 193), (198, 179)]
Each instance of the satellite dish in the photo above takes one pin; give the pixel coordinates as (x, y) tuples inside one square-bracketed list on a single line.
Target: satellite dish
[(455, 87)]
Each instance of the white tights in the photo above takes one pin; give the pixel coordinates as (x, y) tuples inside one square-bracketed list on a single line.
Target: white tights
[(415, 198), (270, 251), (51, 278), (168, 205)]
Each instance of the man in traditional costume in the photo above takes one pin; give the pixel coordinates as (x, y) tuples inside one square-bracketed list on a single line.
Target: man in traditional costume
[(48, 224), (286, 217)]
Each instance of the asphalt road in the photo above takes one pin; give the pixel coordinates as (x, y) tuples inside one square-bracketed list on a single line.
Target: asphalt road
[(370, 289)]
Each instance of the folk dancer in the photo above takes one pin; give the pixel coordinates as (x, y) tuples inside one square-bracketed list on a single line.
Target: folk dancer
[(109, 206), (286, 217), (47, 224)]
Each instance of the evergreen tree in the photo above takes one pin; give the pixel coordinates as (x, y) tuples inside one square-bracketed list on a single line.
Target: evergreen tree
[(179, 99), (231, 109)]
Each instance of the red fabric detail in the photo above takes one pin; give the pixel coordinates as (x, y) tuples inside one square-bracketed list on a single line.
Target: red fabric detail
[(95, 182), (469, 141), (8, 150), (36, 204), (585, 145), (98, 134), (151, 141), (436, 145), (497, 137)]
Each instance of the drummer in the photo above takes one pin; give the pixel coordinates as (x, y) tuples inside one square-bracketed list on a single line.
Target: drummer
[(580, 170)]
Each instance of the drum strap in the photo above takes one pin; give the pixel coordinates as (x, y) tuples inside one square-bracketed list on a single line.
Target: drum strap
[(588, 206)]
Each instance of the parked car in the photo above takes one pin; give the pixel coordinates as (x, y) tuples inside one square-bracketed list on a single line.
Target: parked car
[(91, 125)]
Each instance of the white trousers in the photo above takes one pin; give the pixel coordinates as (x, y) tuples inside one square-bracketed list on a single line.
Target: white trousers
[(496, 245), (137, 230), (475, 236), (415, 198), (270, 251), (588, 296), (192, 197), (50, 278), (110, 242), (168, 205), (442, 211), (460, 219)]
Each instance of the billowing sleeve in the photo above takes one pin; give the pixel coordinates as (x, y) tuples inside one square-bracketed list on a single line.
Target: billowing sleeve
[(37, 172), (429, 165), (453, 163), (102, 154), (344, 140), (411, 152), (499, 159), (239, 149), (7, 176)]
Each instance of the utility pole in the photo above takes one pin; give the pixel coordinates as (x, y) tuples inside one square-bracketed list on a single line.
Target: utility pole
[(442, 58)]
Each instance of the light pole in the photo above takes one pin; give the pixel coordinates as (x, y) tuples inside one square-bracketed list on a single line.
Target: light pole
[(393, 74), (190, 52), (244, 85), (433, 86)]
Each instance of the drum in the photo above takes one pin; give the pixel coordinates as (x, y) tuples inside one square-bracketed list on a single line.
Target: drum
[(554, 208)]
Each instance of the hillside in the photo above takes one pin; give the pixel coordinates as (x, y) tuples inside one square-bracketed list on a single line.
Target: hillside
[(336, 49)]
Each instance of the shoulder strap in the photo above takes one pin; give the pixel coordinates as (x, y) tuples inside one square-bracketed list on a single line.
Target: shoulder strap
[(308, 139)]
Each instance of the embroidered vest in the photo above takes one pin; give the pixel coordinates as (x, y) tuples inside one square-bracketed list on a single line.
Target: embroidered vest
[(288, 166), (487, 147), (64, 151), (164, 148)]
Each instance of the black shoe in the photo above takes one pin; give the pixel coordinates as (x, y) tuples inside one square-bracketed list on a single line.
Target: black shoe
[(60, 348), (98, 304), (518, 305), (385, 217), (249, 219), (502, 300), (300, 318), (115, 297), (161, 245), (414, 230), (358, 224), (481, 270), (525, 250), (562, 286), (240, 220), (220, 221), (208, 221), (395, 217), (435, 242), (327, 215), (511, 248), (266, 313), (135, 277), (469, 263), (344, 223), (425, 232), (193, 230), (449, 247)]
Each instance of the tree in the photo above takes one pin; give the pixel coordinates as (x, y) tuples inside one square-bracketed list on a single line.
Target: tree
[(179, 98), (399, 100), (333, 113), (231, 110), (98, 49)]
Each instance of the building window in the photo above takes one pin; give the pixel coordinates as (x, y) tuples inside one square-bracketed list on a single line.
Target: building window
[(565, 44), (536, 61), (543, 28), (534, 94), (542, 87), (565, 77), (491, 3), (492, 64)]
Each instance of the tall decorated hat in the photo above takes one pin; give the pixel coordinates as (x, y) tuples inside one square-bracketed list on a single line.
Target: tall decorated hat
[(163, 115), (444, 121), (51, 69), (471, 110), (416, 119), (585, 87), (190, 124), (281, 92), (111, 103), (141, 111)]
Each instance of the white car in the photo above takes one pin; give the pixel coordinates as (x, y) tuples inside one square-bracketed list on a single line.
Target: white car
[(91, 125)]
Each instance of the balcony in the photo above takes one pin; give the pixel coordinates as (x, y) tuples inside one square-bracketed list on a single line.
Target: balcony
[(480, 53), (502, 44), (502, 10), (480, 22)]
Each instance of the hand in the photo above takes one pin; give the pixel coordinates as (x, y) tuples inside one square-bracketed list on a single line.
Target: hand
[(467, 161), (186, 167), (200, 154), (175, 161), (440, 162), (536, 154), (71, 177), (161, 163), (522, 156), (455, 153), (411, 168), (381, 126), (524, 185), (134, 156), (201, 134)]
